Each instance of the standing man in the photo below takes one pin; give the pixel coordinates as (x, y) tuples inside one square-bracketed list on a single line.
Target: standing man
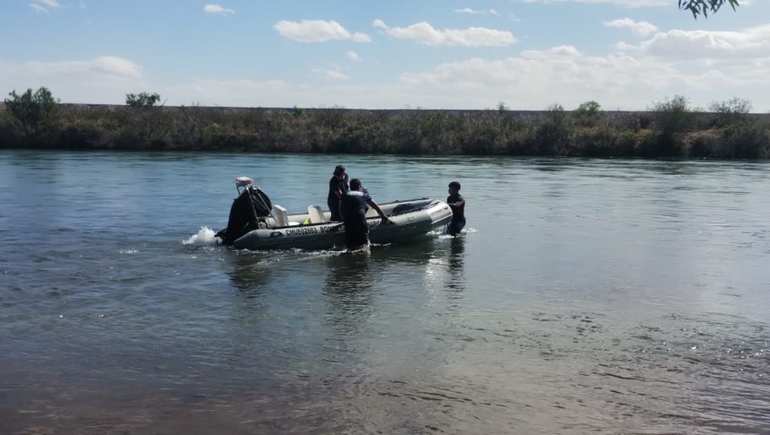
[(338, 186), (457, 203), (353, 210)]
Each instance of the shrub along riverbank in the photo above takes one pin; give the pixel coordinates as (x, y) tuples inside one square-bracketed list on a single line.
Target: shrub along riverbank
[(671, 128)]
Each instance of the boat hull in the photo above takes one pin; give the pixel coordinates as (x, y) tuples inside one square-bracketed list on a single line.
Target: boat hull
[(425, 216)]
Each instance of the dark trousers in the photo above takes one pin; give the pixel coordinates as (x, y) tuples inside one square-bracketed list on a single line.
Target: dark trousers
[(356, 233), (334, 207), (455, 227)]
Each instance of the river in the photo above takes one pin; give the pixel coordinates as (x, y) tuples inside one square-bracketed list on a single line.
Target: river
[(588, 296)]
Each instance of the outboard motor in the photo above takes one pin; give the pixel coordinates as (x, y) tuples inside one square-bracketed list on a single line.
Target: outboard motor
[(248, 212)]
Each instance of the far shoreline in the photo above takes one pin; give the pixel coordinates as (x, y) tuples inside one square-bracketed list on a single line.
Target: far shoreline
[(532, 158), (671, 130)]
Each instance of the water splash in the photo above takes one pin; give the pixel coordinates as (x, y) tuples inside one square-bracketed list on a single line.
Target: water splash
[(442, 235), (206, 236)]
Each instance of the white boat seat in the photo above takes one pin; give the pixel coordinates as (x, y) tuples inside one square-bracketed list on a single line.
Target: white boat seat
[(316, 214), (281, 216)]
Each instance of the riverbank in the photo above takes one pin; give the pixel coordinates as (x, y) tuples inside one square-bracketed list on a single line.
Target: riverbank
[(666, 131)]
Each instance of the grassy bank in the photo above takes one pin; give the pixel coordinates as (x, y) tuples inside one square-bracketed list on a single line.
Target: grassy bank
[(669, 129)]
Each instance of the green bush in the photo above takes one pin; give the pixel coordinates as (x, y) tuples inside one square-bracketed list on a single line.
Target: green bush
[(605, 139), (729, 112), (747, 140), (588, 113), (672, 117), (144, 100), (646, 143), (34, 113), (8, 137), (552, 134)]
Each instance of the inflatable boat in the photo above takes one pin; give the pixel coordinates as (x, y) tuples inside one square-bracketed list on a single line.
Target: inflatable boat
[(255, 223)]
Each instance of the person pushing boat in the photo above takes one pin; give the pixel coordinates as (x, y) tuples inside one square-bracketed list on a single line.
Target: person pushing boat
[(457, 203), (352, 208)]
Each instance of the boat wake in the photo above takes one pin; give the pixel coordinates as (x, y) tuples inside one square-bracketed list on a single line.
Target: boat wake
[(441, 235), (205, 236)]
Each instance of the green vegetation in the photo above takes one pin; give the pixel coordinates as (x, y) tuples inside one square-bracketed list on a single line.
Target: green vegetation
[(671, 128), (34, 114), (703, 7)]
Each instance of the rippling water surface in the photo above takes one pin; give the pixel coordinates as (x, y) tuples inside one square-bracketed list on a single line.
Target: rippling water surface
[(590, 296)]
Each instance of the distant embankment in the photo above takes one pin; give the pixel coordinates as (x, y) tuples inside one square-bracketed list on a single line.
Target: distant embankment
[(670, 130)]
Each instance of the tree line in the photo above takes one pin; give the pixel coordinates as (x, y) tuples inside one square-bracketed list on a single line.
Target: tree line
[(671, 128)]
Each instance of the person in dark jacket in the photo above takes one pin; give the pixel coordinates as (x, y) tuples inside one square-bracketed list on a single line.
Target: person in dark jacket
[(353, 210), (457, 204), (338, 185)]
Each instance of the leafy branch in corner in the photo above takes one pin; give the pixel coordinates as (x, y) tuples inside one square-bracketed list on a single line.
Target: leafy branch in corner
[(704, 7)]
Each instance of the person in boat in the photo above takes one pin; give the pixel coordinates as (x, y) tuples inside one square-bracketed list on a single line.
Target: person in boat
[(338, 185), (457, 203), (352, 207)]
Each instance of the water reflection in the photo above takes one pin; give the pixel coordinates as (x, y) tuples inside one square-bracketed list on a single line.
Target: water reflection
[(456, 284), (354, 281), (348, 290), (248, 272)]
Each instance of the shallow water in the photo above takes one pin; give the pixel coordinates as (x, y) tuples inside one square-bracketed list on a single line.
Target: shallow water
[(591, 296)]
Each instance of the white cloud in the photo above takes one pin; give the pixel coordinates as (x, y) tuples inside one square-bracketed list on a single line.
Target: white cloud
[(352, 55), (476, 11), (361, 38), (241, 92), (42, 6), (37, 8), (116, 66), (102, 80), (331, 73), (751, 43), (217, 9), (318, 31), (82, 5), (626, 3), (50, 3), (561, 51), (638, 28), (380, 24), (531, 79), (424, 33), (105, 65), (269, 93)]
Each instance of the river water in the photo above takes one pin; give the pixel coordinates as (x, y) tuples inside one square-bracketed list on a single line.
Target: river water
[(588, 296)]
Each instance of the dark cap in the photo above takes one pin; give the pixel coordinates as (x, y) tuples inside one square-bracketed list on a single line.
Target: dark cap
[(339, 170)]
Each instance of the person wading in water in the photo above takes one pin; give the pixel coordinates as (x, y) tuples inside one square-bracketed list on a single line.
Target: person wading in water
[(352, 207), (457, 204)]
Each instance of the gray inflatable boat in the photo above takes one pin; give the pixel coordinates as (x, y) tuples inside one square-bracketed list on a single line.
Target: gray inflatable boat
[(256, 224)]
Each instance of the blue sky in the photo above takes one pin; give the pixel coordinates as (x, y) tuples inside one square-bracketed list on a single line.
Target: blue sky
[(420, 53)]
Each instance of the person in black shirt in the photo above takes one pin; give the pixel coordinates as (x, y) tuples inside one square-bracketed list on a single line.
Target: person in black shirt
[(457, 204), (353, 210), (338, 185)]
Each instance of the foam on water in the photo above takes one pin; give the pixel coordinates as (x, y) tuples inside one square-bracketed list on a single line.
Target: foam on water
[(205, 236), (441, 235)]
